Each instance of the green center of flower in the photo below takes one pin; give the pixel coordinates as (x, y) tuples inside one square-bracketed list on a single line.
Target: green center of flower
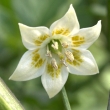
[(55, 46)]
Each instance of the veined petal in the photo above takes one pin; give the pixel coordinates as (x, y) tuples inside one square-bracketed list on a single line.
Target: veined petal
[(67, 24), (86, 36), (54, 83), (83, 64), (33, 37), (30, 66)]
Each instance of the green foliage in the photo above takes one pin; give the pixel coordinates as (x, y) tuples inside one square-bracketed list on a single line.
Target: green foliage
[(84, 92)]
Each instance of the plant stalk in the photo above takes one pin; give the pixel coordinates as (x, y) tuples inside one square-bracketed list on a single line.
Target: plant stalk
[(65, 99), (7, 100)]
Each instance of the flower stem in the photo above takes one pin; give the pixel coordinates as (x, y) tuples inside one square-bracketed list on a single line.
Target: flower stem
[(108, 107), (65, 98)]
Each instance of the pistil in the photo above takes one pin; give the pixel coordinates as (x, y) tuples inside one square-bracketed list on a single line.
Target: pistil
[(55, 45)]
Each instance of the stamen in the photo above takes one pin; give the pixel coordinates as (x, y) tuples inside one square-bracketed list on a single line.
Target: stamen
[(65, 44), (69, 55), (54, 64), (48, 54), (63, 61)]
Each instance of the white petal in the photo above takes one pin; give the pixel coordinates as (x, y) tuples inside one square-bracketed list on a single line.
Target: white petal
[(31, 34), (86, 36), (26, 70), (54, 85), (88, 65), (68, 22)]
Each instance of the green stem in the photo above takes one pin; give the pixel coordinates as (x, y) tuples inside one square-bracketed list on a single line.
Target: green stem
[(65, 98), (108, 108), (7, 100)]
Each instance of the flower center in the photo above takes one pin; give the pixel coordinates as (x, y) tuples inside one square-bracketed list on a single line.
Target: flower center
[(55, 46)]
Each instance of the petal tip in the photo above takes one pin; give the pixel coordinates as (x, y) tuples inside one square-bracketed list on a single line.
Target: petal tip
[(99, 26), (96, 71), (14, 78), (22, 26), (51, 95), (11, 77), (71, 6), (99, 22)]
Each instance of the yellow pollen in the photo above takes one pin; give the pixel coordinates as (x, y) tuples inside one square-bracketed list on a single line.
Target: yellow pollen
[(53, 72), (61, 31), (37, 61), (77, 40), (40, 39)]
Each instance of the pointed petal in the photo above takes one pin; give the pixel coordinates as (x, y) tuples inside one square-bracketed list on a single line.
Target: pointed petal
[(53, 84), (67, 24), (86, 36), (33, 37), (83, 64), (28, 67)]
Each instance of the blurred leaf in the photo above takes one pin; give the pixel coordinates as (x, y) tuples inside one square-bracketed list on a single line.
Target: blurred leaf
[(99, 10)]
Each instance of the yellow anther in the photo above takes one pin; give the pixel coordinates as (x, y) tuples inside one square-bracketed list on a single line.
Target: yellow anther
[(69, 55), (63, 61), (65, 44), (54, 64), (48, 54)]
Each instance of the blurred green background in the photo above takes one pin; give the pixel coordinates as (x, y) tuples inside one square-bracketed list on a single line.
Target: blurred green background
[(84, 92)]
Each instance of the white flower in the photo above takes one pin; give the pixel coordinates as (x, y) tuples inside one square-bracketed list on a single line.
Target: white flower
[(53, 54)]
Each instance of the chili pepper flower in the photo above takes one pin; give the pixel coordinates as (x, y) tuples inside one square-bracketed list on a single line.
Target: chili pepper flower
[(54, 53)]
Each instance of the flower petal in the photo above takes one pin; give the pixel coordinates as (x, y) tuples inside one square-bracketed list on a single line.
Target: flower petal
[(33, 37), (83, 64), (67, 24), (53, 84), (86, 36), (29, 67)]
